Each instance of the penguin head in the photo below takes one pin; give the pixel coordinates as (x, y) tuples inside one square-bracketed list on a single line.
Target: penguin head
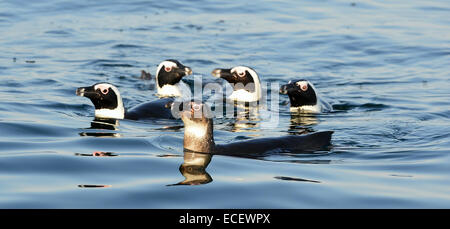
[(106, 99), (198, 127), (241, 78), (300, 92), (193, 112), (170, 72)]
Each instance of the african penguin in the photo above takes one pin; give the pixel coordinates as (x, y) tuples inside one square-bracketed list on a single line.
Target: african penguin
[(244, 80), (199, 137), (168, 79), (303, 97), (108, 104)]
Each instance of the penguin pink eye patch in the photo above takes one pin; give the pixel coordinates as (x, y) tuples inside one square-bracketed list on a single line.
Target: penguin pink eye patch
[(104, 89), (303, 85), (168, 69), (196, 107)]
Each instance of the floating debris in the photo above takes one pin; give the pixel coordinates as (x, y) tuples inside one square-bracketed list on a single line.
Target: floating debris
[(145, 75)]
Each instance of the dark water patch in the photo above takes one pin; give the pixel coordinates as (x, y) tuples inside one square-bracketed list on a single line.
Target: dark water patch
[(335, 65), (433, 116), (128, 46), (196, 27), (94, 186), (366, 106), (145, 28), (11, 83), (117, 65), (44, 82), (284, 178), (434, 8), (200, 62), (59, 33), (108, 63)]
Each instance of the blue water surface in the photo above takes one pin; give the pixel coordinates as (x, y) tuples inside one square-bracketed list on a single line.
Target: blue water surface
[(383, 65)]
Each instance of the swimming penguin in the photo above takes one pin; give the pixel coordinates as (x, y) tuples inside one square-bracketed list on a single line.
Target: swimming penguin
[(168, 79), (303, 97), (199, 137), (244, 80), (108, 104)]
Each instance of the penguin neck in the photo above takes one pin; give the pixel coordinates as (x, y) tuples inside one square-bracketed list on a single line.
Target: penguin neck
[(169, 90), (299, 101), (116, 113), (244, 95), (198, 136), (110, 114)]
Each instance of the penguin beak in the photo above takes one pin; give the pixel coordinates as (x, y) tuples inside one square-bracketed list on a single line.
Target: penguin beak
[(221, 73), (85, 91), (184, 70), (187, 71), (284, 89)]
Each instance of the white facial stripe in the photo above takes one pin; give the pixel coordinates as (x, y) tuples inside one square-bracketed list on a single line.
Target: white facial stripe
[(103, 86), (240, 70), (166, 64), (302, 85)]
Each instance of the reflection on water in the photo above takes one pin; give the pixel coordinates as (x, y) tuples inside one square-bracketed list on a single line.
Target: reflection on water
[(94, 186), (295, 179), (194, 168), (102, 124), (245, 117), (98, 154), (302, 123), (194, 165)]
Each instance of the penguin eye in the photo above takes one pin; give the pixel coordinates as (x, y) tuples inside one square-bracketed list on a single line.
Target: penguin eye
[(196, 107), (105, 91), (304, 87), (168, 69), (241, 74)]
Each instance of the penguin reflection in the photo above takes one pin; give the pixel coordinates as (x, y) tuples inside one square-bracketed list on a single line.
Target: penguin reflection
[(101, 128), (194, 168), (245, 117), (302, 123)]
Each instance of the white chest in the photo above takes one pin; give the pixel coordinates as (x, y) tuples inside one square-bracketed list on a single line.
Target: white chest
[(243, 95), (179, 90)]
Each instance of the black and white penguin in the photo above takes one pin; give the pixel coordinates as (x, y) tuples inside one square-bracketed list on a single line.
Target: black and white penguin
[(199, 137), (108, 104), (168, 79), (303, 97), (244, 80)]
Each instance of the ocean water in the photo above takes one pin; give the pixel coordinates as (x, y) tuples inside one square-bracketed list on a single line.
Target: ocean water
[(383, 66)]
